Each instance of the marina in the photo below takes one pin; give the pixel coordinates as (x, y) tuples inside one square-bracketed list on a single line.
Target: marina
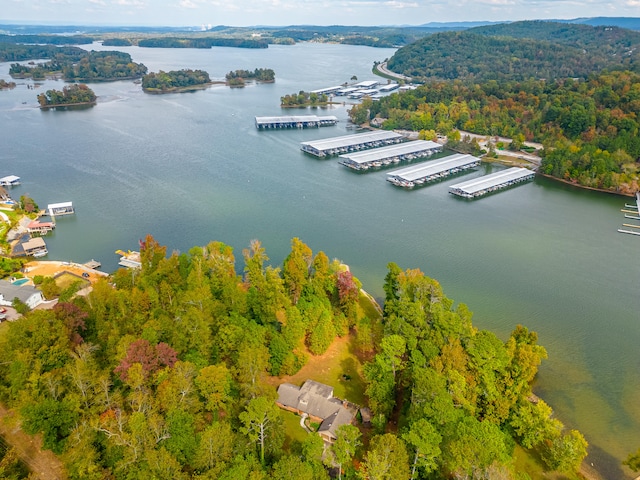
[(430, 171), (295, 121), (635, 210), (491, 183), (384, 156), (9, 181), (351, 143)]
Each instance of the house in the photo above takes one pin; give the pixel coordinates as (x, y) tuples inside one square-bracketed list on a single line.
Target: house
[(40, 228), (35, 247), (317, 401), (27, 294)]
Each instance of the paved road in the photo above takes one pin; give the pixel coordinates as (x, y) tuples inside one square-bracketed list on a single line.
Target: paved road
[(382, 67)]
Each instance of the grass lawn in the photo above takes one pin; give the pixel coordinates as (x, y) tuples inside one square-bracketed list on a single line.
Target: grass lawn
[(292, 429), (530, 463), (66, 279)]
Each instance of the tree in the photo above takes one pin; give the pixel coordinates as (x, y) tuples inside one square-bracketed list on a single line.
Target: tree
[(386, 459), (260, 422), (215, 448), (290, 467), (565, 452), (344, 448), (425, 440), (633, 461), (214, 384)]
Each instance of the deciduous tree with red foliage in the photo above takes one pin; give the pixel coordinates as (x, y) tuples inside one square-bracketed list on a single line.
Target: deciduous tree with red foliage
[(151, 357)]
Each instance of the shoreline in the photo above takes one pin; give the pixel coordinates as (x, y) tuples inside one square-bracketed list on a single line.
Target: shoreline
[(584, 187)]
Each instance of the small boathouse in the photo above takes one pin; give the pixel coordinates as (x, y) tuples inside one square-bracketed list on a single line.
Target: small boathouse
[(351, 143), (40, 228), (64, 208), (491, 183), (9, 181), (378, 157), (35, 247), (430, 171), (295, 121)]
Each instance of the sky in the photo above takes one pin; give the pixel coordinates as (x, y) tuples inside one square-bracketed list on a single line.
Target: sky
[(299, 12)]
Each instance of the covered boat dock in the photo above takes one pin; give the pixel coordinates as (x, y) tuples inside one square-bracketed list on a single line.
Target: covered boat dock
[(295, 121), (429, 171), (491, 183), (404, 152), (9, 181), (351, 143)]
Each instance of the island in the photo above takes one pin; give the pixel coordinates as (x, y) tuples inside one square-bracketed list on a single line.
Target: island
[(175, 81), (75, 64), (304, 99), (239, 77), (72, 95)]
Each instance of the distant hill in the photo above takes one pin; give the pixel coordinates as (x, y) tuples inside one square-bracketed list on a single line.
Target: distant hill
[(632, 23), (519, 50)]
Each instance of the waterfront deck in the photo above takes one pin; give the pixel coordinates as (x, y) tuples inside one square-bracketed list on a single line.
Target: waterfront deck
[(351, 143), (491, 183), (431, 171), (295, 121), (378, 157), (9, 181)]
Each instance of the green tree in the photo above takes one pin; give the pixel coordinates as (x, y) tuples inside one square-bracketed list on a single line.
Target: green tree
[(633, 461), (565, 452), (344, 448), (260, 422), (424, 440), (386, 459)]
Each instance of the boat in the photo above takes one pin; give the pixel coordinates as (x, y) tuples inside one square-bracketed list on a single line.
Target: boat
[(40, 254)]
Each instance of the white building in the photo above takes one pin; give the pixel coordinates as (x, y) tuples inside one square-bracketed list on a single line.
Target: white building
[(27, 294)]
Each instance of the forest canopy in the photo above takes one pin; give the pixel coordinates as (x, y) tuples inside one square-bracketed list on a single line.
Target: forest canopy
[(167, 371)]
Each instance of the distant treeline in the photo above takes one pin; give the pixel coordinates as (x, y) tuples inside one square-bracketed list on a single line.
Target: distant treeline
[(205, 42), (116, 42), (47, 39), (17, 53), (519, 51), (80, 65), (174, 80)]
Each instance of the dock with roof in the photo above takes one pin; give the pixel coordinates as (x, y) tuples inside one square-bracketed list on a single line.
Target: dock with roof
[(351, 143), (295, 121), (9, 181), (431, 171), (378, 157), (491, 183)]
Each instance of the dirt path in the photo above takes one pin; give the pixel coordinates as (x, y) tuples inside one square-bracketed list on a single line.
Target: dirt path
[(44, 464)]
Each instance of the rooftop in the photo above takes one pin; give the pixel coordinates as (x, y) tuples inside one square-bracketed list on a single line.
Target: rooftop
[(406, 148)]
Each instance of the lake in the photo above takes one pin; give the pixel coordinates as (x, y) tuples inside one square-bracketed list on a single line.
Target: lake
[(191, 168)]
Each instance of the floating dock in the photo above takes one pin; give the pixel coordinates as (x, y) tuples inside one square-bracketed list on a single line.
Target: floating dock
[(632, 209), (9, 181), (328, 90), (295, 121), (378, 157), (351, 143), (130, 259), (430, 171), (492, 183)]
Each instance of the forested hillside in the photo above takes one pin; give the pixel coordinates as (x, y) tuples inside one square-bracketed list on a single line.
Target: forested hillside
[(519, 51), (162, 373)]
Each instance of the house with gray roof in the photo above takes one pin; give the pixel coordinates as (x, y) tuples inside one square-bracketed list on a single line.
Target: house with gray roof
[(317, 401), (28, 294)]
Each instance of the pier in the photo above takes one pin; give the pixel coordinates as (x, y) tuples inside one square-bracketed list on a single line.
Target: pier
[(635, 209), (378, 157), (492, 183), (430, 171), (295, 121), (130, 259), (351, 143)]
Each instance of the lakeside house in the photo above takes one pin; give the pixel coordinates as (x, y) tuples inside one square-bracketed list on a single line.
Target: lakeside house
[(27, 294), (317, 401), (35, 247), (40, 228)]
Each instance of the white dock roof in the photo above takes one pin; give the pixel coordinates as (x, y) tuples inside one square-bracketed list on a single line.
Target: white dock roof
[(349, 140), (59, 205), (406, 148), (9, 179), (492, 180), (295, 119), (426, 169)]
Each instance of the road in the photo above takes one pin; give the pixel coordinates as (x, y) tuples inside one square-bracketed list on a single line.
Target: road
[(382, 68)]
